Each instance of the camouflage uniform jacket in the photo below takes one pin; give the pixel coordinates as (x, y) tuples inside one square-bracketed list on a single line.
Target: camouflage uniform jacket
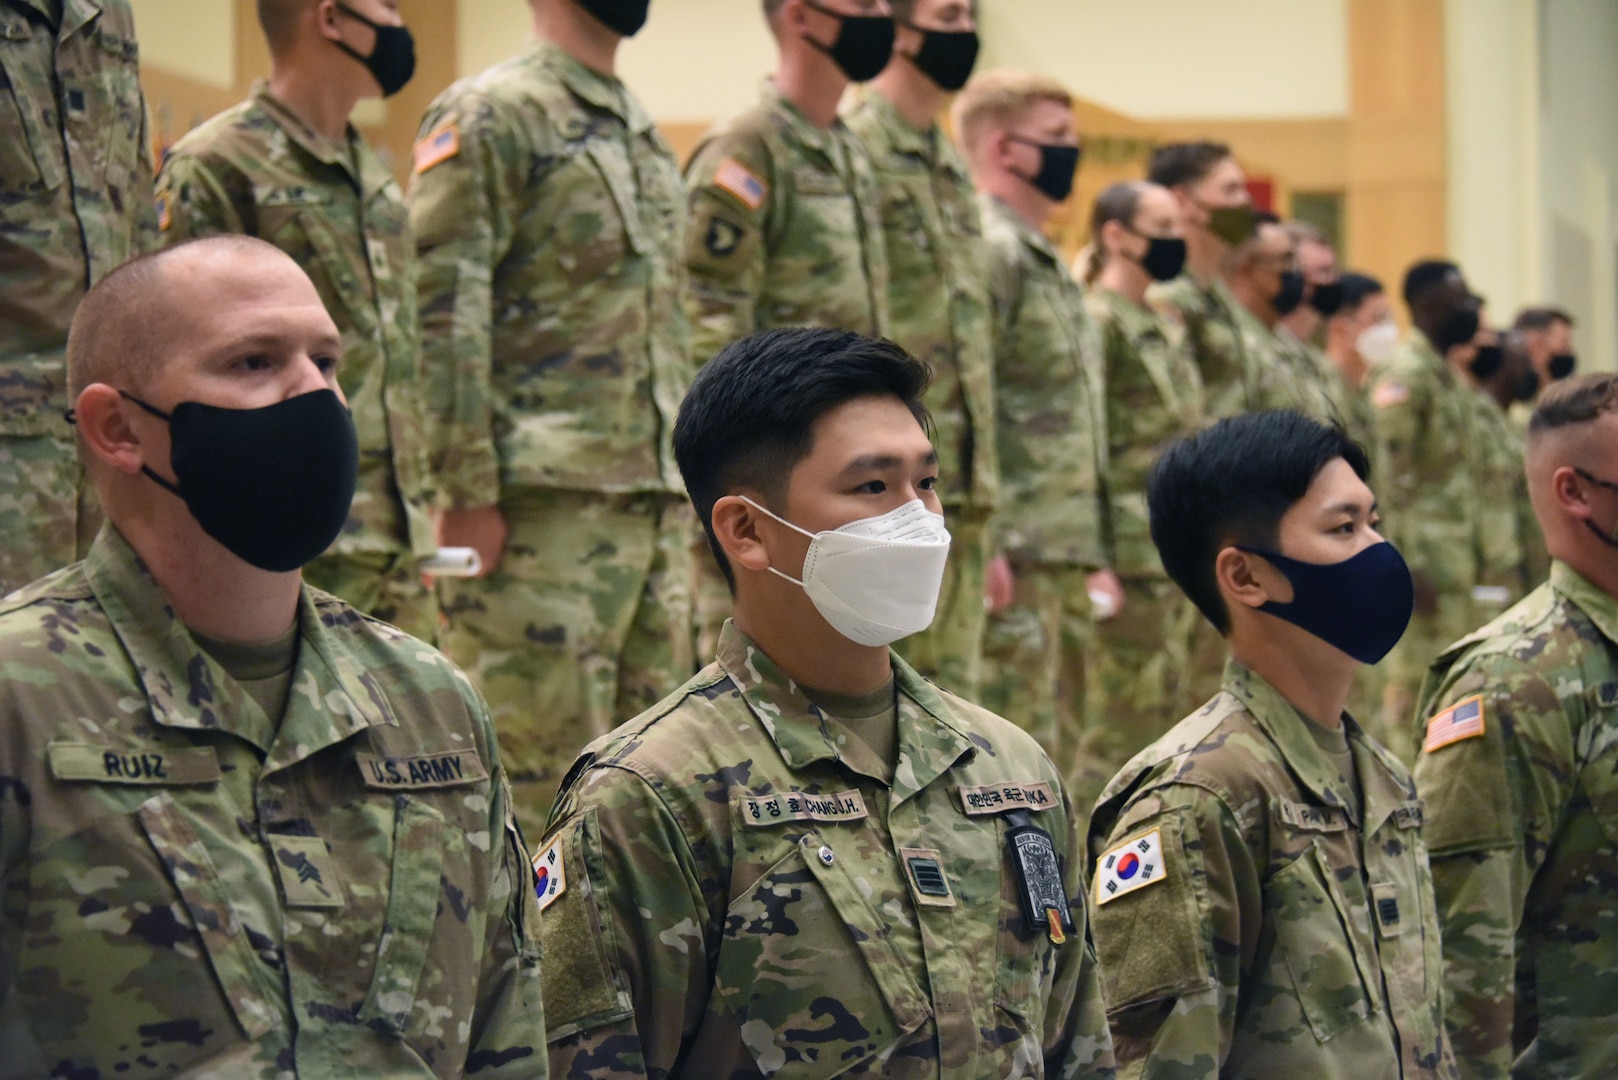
[(1281, 937), (548, 214), (1424, 452), (1511, 557), (1281, 375), (1208, 313), (335, 208), (741, 902), (1345, 404), (785, 229), (1154, 396), (1050, 400), (1522, 811), (938, 293), (189, 887), (75, 187)]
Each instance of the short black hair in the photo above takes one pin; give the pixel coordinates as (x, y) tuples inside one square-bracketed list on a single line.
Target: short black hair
[(1358, 288), (1185, 162), (1541, 317), (1232, 484), (1426, 275), (749, 415)]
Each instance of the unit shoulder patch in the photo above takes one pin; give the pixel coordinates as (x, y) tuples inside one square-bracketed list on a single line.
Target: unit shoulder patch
[(550, 875), (745, 184), (1390, 392), (443, 143), (1462, 720), (1130, 866)]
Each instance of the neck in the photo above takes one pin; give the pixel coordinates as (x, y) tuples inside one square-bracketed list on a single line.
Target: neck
[(1204, 254), (1125, 277), (1348, 361), (1588, 557), (1302, 321), (1247, 296), (321, 102), (813, 83), (810, 652), (1025, 200), (913, 95), (1316, 684), (578, 35)]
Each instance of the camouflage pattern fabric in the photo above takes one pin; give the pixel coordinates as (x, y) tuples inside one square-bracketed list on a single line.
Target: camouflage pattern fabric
[(1281, 375), (742, 901), (1255, 915), (585, 623), (1208, 314), (1348, 404), (1511, 550), (939, 304), (75, 203), (334, 207), (192, 886), (1522, 812)]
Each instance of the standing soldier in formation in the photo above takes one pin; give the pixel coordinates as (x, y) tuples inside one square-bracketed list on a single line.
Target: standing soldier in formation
[(809, 861), (785, 209), (1519, 771), (1138, 684), (75, 202), (1217, 214), (1422, 405), (287, 167), (1303, 329), (548, 214), (1360, 336), (1051, 537), (938, 299), (1262, 897)]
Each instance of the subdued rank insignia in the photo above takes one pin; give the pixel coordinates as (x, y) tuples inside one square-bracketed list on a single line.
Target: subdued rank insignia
[(1133, 864), (1039, 879), (723, 237), (1385, 901), (925, 869), (308, 877)]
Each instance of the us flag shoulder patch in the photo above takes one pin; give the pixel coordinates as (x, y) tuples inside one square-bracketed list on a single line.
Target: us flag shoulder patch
[(1462, 720), (741, 182), (440, 145), (1132, 865)]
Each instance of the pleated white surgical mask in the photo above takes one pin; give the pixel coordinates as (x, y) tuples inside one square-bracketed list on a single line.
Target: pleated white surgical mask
[(875, 580), (1376, 342)]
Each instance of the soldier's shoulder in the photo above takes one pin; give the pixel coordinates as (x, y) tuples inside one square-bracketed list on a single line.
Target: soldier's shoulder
[(1543, 627), (54, 604), (233, 136), (994, 735), (390, 657), (754, 137), (688, 726)]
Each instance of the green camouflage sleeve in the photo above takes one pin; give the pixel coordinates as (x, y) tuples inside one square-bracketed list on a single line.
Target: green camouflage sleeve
[(1172, 953), (731, 193), (199, 201), (1077, 1008), (1492, 804), (1402, 407), (626, 956), (144, 211), (459, 213)]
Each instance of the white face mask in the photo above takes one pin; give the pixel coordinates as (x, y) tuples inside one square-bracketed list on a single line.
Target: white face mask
[(1376, 342), (875, 580)]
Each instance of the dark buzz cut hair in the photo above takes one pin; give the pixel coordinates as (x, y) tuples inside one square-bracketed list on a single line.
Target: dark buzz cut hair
[(1576, 400), (279, 21), (1232, 484), (1541, 317), (1174, 164), (749, 416), (1358, 288), (1426, 275)]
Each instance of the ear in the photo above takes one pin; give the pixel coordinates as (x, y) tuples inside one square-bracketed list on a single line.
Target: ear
[(1113, 236), (325, 16), (103, 422), (735, 525), (1248, 579), (1568, 493)]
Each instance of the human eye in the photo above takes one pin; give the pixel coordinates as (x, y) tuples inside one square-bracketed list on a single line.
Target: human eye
[(871, 487)]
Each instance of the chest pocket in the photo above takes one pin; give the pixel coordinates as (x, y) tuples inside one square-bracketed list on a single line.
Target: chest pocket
[(306, 223), (805, 962), (1313, 935), (30, 138)]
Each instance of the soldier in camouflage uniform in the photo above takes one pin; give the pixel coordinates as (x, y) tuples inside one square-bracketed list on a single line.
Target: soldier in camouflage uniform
[(808, 861), (1137, 683), (1303, 329), (548, 214), (268, 168), (1051, 532), (1360, 335), (1263, 905), (1519, 771), (1423, 411), (75, 202), (938, 299), (785, 211), (245, 830)]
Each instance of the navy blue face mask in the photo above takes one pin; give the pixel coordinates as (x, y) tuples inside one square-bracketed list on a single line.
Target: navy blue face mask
[(1360, 605)]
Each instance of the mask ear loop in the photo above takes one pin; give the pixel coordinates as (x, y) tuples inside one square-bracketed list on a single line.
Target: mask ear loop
[(770, 513), (147, 469), (1607, 539)]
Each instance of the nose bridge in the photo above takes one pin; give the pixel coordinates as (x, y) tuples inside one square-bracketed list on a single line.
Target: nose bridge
[(303, 375)]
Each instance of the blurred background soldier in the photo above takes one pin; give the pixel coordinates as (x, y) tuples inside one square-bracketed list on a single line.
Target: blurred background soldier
[(1359, 335)]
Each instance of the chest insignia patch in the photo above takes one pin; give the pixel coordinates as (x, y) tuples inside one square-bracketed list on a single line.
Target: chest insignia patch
[(550, 875), (924, 867), (1462, 720), (784, 806), (998, 798), (421, 770), (1132, 865), (308, 876)]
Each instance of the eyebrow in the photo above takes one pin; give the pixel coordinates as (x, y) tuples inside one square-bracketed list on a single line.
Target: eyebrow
[(883, 462), (1351, 508)]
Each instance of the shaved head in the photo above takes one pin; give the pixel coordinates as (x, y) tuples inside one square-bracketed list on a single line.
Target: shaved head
[(1572, 456), (279, 18)]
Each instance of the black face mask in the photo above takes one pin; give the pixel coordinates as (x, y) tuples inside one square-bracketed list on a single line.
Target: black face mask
[(1291, 295), (946, 56), (1058, 165), (1528, 385), (864, 43), (1164, 258), (1360, 605), (393, 57), (622, 17), (1562, 364), (1458, 328), (1232, 224), (272, 485), (1606, 537), (1489, 359), (1326, 299)]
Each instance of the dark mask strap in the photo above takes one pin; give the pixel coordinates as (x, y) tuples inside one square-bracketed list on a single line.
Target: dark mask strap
[(1588, 524), (161, 415)]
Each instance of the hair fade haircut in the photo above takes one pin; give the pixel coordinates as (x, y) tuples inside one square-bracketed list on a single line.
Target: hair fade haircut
[(749, 416), (279, 21), (1232, 484), (995, 100), (1425, 276), (1177, 164), (1357, 288), (1541, 317), (1577, 399)]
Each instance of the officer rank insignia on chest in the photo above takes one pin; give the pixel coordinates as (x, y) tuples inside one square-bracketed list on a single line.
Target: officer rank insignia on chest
[(1462, 720), (1132, 865), (550, 875)]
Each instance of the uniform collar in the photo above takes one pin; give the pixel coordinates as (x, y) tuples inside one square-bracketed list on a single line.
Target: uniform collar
[(350, 154), (930, 145), (1284, 724), (802, 131), (1599, 607), (604, 92), (1135, 321), (1031, 237), (331, 700), (930, 738)]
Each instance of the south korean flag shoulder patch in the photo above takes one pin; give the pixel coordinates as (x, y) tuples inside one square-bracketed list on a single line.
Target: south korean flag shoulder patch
[(550, 881), (1131, 865)]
